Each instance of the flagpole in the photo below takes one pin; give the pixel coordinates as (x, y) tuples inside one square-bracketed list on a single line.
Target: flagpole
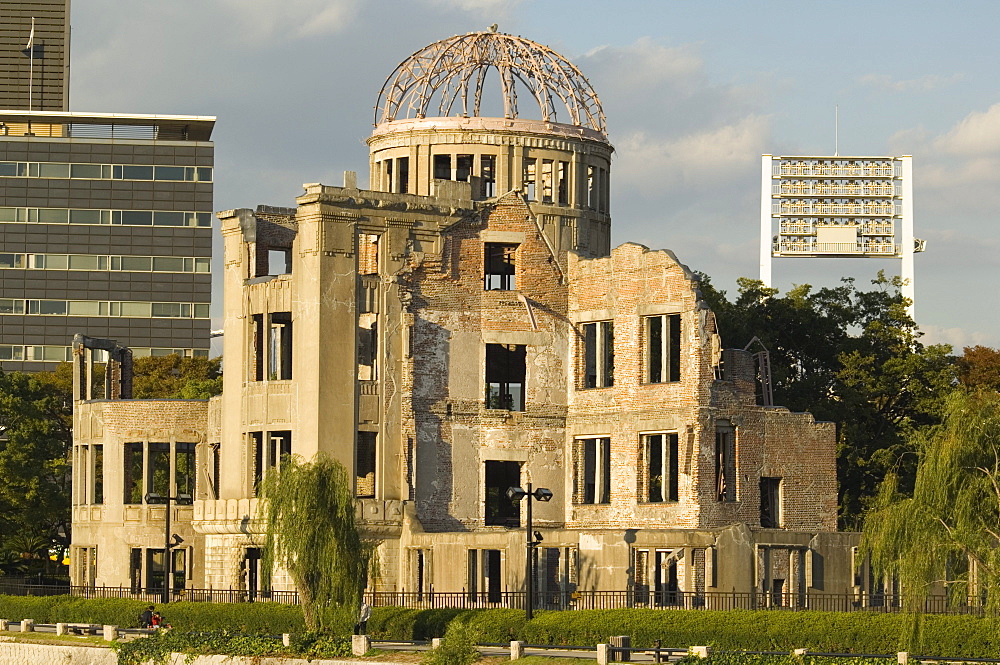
[(31, 63)]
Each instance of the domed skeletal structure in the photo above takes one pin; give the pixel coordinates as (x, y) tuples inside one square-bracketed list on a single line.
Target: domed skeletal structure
[(447, 78)]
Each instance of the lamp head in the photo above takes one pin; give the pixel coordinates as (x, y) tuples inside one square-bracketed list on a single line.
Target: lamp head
[(543, 494), (153, 497), (516, 493), (538, 536), (183, 499)]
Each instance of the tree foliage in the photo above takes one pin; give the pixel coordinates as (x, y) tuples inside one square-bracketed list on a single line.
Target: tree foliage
[(174, 377), (979, 367), (848, 356), (946, 533), (35, 450), (311, 531)]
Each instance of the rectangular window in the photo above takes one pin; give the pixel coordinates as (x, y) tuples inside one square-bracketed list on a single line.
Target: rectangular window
[(403, 175), (500, 509), (665, 587), (770, 503), (135, 569), (364, 477), (660, 480), (505, 373), (546, 181), (485, 580), (530, 175), (725, 462), (499, 266), (598, 354), (11, 260), (280, 351), (487, 171), (463, 167), (663, 348), (442, 167), (256, 444), (155, 570), (129, 172), (133, 473), (158, 469), (184, 475), (592, 470), (97, 474), (563, 183), (257, 347)]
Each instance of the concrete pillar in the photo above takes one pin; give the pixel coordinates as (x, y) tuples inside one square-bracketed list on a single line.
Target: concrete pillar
[(700, 652), (516, 649), (799, 653), (110, 633), (603, 654), (903, 657), (286, 639), (623, 644), (436, 642), (4, 625), (360, 644), (60, 629), (27, 625)]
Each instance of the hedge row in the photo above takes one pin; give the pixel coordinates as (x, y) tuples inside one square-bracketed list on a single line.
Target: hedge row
[(837, 632)]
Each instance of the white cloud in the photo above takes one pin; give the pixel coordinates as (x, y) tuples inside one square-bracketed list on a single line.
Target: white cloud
[(926, 83), (501, 7), (976, 135), (958, 338), (290, 19)]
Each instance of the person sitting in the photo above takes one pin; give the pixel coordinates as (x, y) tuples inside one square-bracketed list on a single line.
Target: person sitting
[(146, 618)]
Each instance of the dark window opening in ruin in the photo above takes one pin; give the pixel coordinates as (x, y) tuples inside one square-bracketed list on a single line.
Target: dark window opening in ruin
[(662, 471), (367, 346), (133, 473), (442, 167), (279, 448), (665, 587), (488, 173), (591, 191), (499, 266), (158, 469), (97, 475), (257, 346), (463, 167), (387, 182), (770, 503), (256, 444), (364, 476), (135, 569), (640, 576), (179, 556), (251, 573), (603, 190), (280, 347), (184, 469), (777, 592), (368, 253), (593, 470), (279, 261), (725, 462), (155, 570), (500, 509), (505, 372), (546, 181), (563, 180), (485, 582), (663, 348), (402, 176), (215, 454), (420, 572), (530, 178), (598, 354)]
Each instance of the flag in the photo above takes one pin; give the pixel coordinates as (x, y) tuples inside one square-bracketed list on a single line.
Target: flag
[(31, 37)]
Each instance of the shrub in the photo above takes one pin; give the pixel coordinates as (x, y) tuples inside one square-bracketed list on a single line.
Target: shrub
[(457, 648)]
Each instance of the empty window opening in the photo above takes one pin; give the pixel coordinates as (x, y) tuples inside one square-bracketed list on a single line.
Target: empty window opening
[(547, 181), (420, 572), (257, 347), (665, 586), (135, 569), (364, 477), (155, 570), (268, 451), (89, 484), (368, 253), (158, 468), (556, 578), (256, 441), (505, 372), (593, 470), (401, 182), (770, 503), (777, 592), (442, 167), (251, 573), (280, 347), (488, 173), (387, 172), (485, 581), (725, 462), (499, 266), (367, 346), (530, 179), (661, 469), (500, 509), (663, 348), (215, 469), (598, 354), (184, 469), (97, 474), (463, 167), (591, 189), (563, 180), (279, 261), (133, 472)]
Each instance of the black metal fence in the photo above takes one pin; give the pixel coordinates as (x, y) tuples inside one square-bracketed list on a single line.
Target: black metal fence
[(575, 600)]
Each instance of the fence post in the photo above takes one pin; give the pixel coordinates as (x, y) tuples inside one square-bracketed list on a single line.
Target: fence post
[(516, 649), (4, 625), (286, 639), (700, 652), (800, 653), (903, 657), (436, 642), (110, 633), (623, 645), (27, 625), (360, 644), (603, 654), (60, 629)]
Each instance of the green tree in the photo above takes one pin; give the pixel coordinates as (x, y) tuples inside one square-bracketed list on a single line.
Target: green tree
[(174, 377), (979, 366), (311, 531), (946, 532), (848, 356), (35, 449)]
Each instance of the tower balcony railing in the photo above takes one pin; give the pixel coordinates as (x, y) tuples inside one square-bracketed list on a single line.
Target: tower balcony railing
[(838, 248), (867, 208), (824, 169), (811, 188)]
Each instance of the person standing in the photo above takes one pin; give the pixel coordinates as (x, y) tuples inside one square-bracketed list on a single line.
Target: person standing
[(364, 613)]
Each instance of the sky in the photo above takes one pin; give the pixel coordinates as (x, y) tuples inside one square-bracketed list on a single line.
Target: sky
[(694, 91)]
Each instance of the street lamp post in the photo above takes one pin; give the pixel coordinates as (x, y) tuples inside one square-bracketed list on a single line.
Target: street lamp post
[(169, 541), (534, 538)]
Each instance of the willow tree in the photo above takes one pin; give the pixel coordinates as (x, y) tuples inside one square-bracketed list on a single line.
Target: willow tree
[(946, 535), (311, 531)]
